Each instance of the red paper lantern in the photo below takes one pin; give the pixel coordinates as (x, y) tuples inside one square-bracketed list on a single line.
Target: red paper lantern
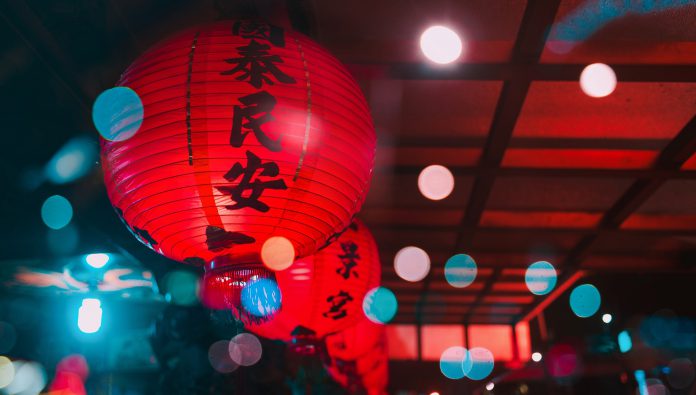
[(321, 294), (368, 372), (249, 131), (355, 341)]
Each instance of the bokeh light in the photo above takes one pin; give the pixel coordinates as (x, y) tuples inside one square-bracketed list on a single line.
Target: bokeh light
[(98, 260), (460, 270), (118, 113), (625, 343), (181, 287), (29, 379), (74, 363), (536, 356), (220, 358), (481, 361), (562, 361), (540, 278), (681, 373), (8, 337), (606, 318), (380, 305), (585, 300), (261, 297), (56, 212), (440, 44), (74, 160), (89, 318), (245, 349), (653, 387), (451, 361), (7, 372), (598, 80), (277, 253), (412, 263), (490, 386), (436, 182)]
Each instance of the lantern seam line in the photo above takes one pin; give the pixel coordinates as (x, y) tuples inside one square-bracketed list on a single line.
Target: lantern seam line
[(309, 111), (188, 97)]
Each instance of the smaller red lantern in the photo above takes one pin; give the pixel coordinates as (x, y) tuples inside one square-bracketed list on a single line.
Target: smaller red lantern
[(355, 341), (369, 372)]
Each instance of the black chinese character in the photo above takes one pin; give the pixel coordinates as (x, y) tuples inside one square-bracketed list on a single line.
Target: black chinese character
[(348, 259), (337, 311), (259, 30), (251, 117), (255, 62), (249, 189)]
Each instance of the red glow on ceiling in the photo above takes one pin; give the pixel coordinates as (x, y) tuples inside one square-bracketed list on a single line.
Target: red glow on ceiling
[(660, 221), (496, 338), (402, 341), (579, 158), (690, 164), (524, 343), (437, 338), (543, 219)]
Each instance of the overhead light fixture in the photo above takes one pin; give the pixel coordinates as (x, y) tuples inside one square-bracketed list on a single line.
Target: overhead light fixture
[(441, 44)]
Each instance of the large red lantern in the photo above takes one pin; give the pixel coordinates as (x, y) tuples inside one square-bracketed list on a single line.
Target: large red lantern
[(249, 131), (321, 294)]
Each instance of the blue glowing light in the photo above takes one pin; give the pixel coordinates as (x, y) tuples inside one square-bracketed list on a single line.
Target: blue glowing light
[(460, 270), (74, 160), (642, 384), (97, 261), (261, 297), (540, 278), (89, 318), (478, 363), (451, 362), (118, 113), (380, 305), (56, 212), (585, 300), (625, 343)]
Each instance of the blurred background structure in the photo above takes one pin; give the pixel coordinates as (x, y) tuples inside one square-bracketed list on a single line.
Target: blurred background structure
[(594, 177)]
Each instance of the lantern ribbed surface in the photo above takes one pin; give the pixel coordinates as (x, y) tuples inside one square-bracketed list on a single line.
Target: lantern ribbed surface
[(249, 131)]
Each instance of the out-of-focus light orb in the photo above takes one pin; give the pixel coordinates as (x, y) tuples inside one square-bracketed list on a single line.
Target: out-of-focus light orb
[(277, 253), (220, 358), (540, 278), (625, 343), (681, 373), (76, 364), (451, 361), (89, 318), (98, 260), (8, 337), (412, 263), (380, 305), (598, 80), (63, 241), (435, 182), (481, 361), (434, 393), (441, 44), (490, 386), (7, 372), (118, 113), (261, 297), (585, 300), (536, 357), (460, 270), (56, 212), (562, 361), (72, 161), (29, 379), (182, 287), (606, 318), (653, 387), (245, 349)]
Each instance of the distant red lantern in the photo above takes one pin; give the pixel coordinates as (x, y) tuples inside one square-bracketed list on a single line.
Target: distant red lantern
[(321, 294), (355, 341), (368, 372), (249, 131)]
